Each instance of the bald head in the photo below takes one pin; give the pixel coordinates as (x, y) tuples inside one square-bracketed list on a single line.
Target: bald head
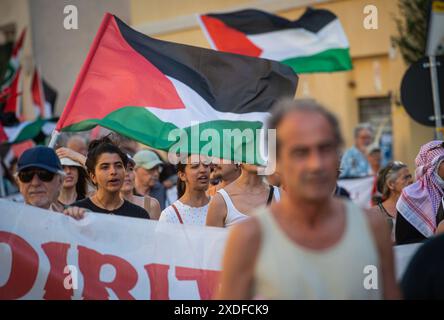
[(78, 144), (284, 108), (307, 147)]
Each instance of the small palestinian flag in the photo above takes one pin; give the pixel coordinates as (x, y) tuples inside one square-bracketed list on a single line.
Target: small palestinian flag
[(145, 88), (315, 42), (41, 106), (13, 104), (14, 62), (27, 130)]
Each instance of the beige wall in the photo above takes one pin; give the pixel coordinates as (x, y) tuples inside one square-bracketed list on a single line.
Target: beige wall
[(377, 72), (60, 53)]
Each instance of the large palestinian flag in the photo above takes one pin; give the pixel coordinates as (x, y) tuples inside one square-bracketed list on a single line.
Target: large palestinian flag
[(315, 42), (145, 88)]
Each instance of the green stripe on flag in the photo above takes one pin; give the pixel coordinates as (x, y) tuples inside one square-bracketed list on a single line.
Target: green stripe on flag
[(326, 61), (141, 125)]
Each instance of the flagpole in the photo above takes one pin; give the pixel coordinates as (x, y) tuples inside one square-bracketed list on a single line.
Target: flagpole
[(54, 136)]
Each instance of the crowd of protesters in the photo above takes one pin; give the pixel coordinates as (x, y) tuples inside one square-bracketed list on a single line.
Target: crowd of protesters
[(294, 227)]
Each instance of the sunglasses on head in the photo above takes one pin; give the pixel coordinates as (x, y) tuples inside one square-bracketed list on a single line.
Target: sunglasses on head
[(27, 175)]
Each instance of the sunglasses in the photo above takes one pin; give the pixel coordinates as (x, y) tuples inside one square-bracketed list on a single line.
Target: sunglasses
[(27, 176)]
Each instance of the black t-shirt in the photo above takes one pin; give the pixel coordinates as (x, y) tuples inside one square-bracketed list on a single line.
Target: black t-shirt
[(406, 233), (424, 276), (127, 209)]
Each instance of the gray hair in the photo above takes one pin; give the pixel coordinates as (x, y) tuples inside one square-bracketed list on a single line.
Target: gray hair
[(388, 174), (363, 126), (286, 106)]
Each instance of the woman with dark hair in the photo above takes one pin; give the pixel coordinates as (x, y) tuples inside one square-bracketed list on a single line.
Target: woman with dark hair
[(106, 165), (391, 179), (74, 184), (192, 184)]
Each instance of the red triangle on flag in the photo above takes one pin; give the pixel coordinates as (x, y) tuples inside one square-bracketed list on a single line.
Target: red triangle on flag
[(228, 39), (38, 97), (3, 136), (13, 100), (19, 44)]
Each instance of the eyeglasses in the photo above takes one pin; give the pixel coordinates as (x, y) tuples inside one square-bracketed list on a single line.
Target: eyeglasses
[(397, 164), (393, 166), (28, 175)]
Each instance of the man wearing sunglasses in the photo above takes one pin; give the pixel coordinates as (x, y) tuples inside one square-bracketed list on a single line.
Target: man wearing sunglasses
[(40, 178)]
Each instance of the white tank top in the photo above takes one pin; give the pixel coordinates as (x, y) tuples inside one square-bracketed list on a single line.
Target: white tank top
[(233, 215), (286, 270)]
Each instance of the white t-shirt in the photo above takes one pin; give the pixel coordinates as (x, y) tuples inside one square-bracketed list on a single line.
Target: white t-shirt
[(189, 215)]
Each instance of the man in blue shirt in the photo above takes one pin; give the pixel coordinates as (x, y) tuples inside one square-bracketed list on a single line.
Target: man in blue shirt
[(354, 162)]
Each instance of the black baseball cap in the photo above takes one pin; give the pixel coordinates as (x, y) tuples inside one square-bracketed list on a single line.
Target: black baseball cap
[(39, 157)]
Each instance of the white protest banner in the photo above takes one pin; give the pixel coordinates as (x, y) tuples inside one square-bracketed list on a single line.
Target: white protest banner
[(46, 255), (403, 254), (360, 190)]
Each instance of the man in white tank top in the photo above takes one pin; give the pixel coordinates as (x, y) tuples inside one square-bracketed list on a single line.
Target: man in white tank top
[(309, 245), (235, 202), (226, 173)]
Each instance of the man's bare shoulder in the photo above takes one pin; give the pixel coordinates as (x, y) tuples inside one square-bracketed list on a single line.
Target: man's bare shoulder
[(375, 219), (217, 201), (248, 231)]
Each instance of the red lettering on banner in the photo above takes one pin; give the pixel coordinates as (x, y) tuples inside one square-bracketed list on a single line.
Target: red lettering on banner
[(158, 275), (24, 267), (54, 288), (90, 263), (207, 280)]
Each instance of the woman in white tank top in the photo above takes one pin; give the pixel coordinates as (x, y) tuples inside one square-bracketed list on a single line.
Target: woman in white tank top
[(192, 205)]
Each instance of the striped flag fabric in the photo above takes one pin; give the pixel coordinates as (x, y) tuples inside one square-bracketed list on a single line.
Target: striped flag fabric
[(145, 88), (14, 62), (27, 130), (41, 106), (13, 103), (316, 42)]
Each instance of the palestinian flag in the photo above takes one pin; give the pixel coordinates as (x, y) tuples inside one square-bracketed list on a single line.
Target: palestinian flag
[(145, 88), (315, 42), (13, 104), (41, 106), (26, 130), (14, 62)]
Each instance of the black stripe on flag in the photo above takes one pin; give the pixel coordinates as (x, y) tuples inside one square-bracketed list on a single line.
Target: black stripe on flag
[(228, 82), (253, 21)]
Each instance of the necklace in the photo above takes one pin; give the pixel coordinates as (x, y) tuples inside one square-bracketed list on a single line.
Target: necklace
[(104, 207)]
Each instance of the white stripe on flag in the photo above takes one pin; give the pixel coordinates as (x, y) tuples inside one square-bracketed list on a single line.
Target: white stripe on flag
[(199, 110), (291, 43), (13, 132)]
